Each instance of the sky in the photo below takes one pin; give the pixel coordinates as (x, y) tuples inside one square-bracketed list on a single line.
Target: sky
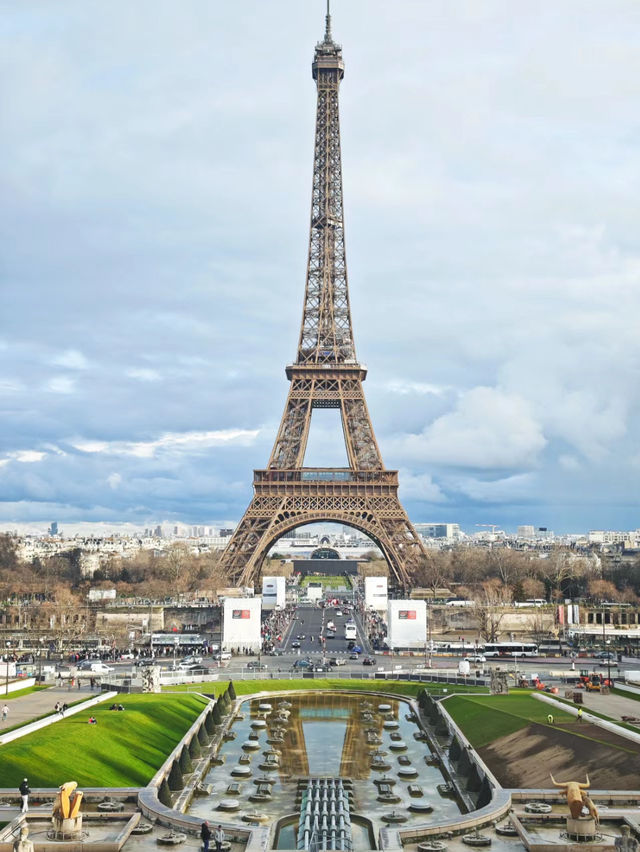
[(155, 177)]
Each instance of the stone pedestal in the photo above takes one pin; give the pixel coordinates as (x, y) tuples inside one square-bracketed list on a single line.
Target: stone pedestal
[(69, 827), (583, 828)]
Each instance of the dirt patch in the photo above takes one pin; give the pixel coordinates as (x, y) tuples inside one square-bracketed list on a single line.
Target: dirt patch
[(526, 757)]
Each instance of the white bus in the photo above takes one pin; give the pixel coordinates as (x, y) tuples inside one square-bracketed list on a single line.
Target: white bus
[(510, 649), (350, 631)]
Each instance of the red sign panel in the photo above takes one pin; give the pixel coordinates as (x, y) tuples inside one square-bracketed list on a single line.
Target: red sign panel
[(406, 613), (241, 613)]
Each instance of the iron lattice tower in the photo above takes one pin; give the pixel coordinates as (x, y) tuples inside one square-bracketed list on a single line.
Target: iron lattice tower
[(326, 374)]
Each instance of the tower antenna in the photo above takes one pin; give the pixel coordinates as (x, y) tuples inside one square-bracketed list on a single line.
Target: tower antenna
[(327, 31)]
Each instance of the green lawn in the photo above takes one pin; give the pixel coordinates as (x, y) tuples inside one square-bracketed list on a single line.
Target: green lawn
[(327, 581), (122, 750), (485, 718), (396, 687)]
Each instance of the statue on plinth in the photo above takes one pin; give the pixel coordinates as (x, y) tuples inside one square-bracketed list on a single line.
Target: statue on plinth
[(23, 844), (624, 843), (66, 817), (579, 826), (498, 682)]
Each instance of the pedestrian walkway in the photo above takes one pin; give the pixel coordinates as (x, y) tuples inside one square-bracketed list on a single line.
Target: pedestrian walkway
[(614, 706), (35, 704)]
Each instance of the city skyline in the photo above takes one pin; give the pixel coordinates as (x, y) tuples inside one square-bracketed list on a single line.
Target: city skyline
[(156, 219)]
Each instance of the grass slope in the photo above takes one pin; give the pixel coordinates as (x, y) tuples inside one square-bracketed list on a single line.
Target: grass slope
[(485, 718), (249, 687), (20, 692), (122, 750)]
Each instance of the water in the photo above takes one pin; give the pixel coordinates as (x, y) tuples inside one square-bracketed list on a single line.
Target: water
[(327, 736)]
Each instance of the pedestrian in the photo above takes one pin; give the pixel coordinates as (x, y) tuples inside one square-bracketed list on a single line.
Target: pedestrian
[(5, 712), (24, 792), (63, 709), (56, 707), (219, 838), (579, 714), (205, 834)]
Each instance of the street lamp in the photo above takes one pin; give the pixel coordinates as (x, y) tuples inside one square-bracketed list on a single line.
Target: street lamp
[(604, 647), (6, 670)]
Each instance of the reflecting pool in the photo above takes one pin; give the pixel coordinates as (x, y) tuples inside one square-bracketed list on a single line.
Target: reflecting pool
[(368, 740)]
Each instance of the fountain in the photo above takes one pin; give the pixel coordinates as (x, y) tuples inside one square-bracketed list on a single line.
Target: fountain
[(474, 838), (66, 819)]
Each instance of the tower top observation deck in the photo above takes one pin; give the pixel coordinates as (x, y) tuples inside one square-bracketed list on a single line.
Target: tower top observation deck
[(328, 54)]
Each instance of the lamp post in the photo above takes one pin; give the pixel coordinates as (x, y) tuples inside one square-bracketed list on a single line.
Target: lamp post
[(6, 670), (604, 646)]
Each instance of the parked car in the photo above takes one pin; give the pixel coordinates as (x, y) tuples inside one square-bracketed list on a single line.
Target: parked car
[(127, 655), (147, 661), (192, 658), (222, 655), (302, 664), (254, 664), (96, 668), (322, 668), (188, 667), (605, 655), (368, 661), (475, 658)]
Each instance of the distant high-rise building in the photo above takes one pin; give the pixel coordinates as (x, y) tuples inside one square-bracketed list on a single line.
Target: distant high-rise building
[(438, 530), (158, 531), (53, 529), (226, 533), (526, 531)]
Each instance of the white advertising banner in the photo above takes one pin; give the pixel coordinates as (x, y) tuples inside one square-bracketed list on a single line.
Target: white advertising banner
[(241, 623), (274, 592), (407, 624), (375, 593)]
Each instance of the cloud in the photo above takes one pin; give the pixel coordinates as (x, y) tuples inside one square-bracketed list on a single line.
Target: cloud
[(487, 429), (144, 374), (420, 488), (114, 480), (405, 387), (23, 456), (155, 234), (72, 359), (191, 442), (61, 384)]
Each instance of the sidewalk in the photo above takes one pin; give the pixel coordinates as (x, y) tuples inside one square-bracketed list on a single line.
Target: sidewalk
[(29, 707), (614, 706)]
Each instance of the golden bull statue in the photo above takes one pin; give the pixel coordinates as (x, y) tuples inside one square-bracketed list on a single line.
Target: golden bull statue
[(577, 799)]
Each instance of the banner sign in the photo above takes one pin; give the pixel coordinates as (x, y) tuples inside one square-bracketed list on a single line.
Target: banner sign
[(241, 613)]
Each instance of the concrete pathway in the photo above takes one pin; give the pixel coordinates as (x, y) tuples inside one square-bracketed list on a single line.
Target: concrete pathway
[(614, 706), (26, 708)]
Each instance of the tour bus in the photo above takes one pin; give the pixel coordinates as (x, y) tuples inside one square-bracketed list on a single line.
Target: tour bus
[(350, 631), (510, 649)]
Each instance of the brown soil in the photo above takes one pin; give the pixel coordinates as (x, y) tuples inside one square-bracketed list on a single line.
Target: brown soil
[(525, 758)]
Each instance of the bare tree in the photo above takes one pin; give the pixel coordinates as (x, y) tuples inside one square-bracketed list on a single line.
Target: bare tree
[(489, 609)]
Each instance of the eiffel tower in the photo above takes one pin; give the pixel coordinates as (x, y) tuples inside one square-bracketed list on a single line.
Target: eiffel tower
[(326, 374)]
